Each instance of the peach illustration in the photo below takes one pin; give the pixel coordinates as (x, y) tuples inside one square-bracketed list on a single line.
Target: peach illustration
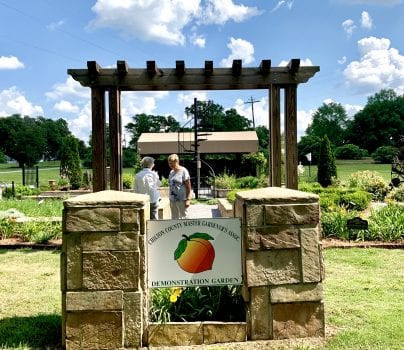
[(195, 253)]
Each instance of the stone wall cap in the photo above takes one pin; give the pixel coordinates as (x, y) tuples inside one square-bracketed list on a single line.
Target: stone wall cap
[(276, 194), (108, 197)]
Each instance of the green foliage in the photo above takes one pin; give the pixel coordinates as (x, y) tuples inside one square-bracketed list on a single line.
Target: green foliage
[(384, 154), (369, 181), (256, 161), (225, 181), (396, 194), (197, 304), (247, 182), (231, 196), (349, 151), (129, 157), (326, 168), (70, 167), (127, 181), (19, 190), (164, 182), (334, 224), (306, 145), (387, 223)]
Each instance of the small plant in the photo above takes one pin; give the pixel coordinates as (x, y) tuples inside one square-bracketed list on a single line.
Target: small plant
[(369, 181), (127, 181), (225, 181), (247, 182), (164, 182), (396, 194), (387, 223), (334, 224)]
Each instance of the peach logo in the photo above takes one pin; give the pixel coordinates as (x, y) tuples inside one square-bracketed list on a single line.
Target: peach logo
[(195, 253)]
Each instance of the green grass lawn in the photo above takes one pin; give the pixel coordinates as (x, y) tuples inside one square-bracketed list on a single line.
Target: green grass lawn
[(363, 293)]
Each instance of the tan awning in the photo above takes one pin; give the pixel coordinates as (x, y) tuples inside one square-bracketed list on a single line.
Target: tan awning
[(210, 142)]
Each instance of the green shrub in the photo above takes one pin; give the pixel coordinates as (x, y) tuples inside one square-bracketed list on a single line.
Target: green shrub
[(384, 154), (247, 182), (20, 191), (358, 200), (369, 181), (231, 196), (350, 151), (70, 167), (387, 223), (334, 224), (164, 182), (197, 304), (127, 181), (225, 181), (326, 168), (396, 194)]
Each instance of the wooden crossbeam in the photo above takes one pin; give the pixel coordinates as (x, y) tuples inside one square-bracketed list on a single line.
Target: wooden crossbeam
[(93, 68), (122, 68), (151, 68), (294, 65), (265, 66), (236, 67), (208, 68), (180, 68)]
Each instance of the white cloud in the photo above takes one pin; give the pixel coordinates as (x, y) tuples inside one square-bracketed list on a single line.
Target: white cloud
[(10, 62), (55, 25), (70, 88), (221, 11), (239, 49), (342, 60), (66, 106), (13, 101), (379, 67), (288, 3), (366, 20), (348, 26), (352, 109), (198, 40), (165, 21), (305, 62)]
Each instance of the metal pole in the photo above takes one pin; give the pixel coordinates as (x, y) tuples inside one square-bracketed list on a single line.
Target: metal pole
[(196, 152)]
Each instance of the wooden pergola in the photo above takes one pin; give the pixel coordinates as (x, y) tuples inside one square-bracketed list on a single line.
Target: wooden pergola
[(151, 78)]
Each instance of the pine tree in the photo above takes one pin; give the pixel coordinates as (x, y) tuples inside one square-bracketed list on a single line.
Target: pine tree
[(70, 162), (326, 163)]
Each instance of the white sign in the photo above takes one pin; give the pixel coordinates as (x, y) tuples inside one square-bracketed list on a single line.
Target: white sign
[(194, 252)]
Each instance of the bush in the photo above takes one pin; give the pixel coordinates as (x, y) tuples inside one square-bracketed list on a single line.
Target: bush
[(387, 223), (350, 151), (127, 181), (334, 224), (70, 167), (369, 181), (247, 182), (384, 154), (326, 169), (396, 194), (358, 200), (19, 191), (225, 181)]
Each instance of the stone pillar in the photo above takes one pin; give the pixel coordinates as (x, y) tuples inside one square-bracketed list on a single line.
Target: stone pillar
[(103, 269), (283, 263)]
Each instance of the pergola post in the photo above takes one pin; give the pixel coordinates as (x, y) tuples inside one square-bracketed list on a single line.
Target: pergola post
[(115, 135), (291, 136), (98, 139), (275, 136)]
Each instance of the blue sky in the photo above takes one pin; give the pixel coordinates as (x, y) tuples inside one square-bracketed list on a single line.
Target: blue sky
[(358, 45)]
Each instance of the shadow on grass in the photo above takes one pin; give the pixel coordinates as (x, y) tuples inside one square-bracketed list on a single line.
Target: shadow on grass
[(38, 332)]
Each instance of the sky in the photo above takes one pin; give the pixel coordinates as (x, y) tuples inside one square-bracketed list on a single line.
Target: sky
[(358, 45)]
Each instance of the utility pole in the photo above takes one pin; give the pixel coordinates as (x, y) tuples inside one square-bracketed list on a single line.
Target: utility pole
[(252, 101)]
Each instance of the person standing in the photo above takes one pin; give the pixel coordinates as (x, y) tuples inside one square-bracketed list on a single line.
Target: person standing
[(147, 182), (180, 188)]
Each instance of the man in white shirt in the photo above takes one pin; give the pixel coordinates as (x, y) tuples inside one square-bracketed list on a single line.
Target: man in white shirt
[(147, 182)]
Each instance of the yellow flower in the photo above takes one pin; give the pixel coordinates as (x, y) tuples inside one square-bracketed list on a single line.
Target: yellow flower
[(175, 293)]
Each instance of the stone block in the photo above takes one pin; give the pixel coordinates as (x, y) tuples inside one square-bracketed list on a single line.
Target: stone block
[(175, 334), (219, 332), (72, 251), (101, 301), (295, 214), (96, 241), (273, 237), (310, 250), (130, 219), (134, 319), (259, 316), (93, 219), (110, 270), (93, 330), (296, 293), (273, 267), (255, 215), (298, 320)]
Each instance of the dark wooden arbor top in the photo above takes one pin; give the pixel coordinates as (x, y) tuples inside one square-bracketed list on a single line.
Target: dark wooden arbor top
[(153, 78)]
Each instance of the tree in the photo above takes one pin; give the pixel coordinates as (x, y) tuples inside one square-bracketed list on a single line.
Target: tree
[(54, 131), (144, 123), (22, 139), (326, 163), (70, 162), (379, 123), (331, 120), (306, 145)]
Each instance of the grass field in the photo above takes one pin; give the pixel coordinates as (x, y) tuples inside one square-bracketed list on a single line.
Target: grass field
[(50, 171), (363, 293)]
